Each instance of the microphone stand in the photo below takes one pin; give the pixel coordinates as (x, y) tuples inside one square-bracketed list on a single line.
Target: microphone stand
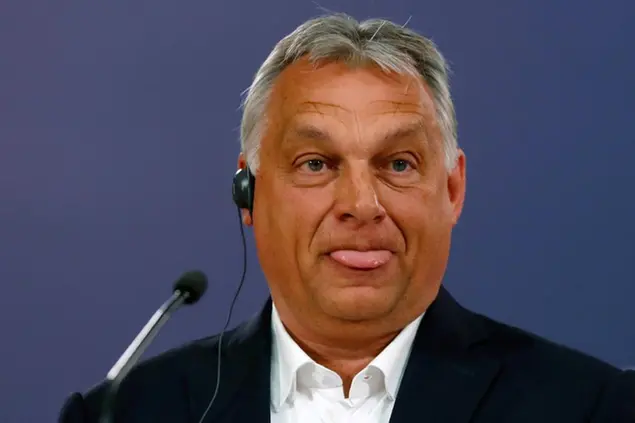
[(133, 353)]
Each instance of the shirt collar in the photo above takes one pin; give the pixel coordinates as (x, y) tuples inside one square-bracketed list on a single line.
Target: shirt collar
[(393, 359), (288, 358)]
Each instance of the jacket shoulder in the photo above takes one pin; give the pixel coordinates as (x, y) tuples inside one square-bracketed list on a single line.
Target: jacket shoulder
[(159, 385), (559, 377), (513, 344)]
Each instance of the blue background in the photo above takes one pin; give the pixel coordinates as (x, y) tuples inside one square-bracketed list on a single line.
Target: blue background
[(118, 132)]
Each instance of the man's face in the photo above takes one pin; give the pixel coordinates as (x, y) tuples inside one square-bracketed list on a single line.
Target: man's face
[(353, 207)]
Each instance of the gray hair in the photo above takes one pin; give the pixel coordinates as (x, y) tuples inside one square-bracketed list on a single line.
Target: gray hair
[(340, 37)]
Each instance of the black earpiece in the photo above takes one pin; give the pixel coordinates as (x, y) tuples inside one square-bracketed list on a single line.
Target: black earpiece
[(243, 189)]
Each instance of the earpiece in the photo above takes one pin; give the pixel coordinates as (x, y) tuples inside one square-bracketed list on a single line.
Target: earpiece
[(243, 189), (243, 193)]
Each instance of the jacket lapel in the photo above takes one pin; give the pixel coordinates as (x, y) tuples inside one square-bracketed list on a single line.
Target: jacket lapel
[(244, 391), (444, 381)]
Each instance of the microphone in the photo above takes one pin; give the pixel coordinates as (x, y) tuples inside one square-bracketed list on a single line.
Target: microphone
[(188, 289)]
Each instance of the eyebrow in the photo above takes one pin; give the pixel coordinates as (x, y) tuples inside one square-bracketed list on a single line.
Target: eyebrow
[(408, 130), (312, 133)]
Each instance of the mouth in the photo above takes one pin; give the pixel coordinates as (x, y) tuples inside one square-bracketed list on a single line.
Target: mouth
[(361, 260)]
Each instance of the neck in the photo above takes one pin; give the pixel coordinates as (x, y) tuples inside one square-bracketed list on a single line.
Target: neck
[(345, 348)]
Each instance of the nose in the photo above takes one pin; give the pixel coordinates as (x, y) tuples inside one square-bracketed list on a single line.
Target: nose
[(357, 199)]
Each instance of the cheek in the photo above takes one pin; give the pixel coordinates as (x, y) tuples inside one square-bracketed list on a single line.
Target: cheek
[(426, 229), (290, 218), (308, 206), (420, 215), (410, 208)]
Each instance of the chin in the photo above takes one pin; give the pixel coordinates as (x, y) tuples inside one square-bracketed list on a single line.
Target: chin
[(358, 303)]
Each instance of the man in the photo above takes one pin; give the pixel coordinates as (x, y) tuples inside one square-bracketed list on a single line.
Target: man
[(350, 133)]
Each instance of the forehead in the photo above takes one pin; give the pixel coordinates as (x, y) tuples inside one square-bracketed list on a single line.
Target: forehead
[(349, 94)]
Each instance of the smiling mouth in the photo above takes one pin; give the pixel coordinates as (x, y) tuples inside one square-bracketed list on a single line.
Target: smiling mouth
[(361, 260)]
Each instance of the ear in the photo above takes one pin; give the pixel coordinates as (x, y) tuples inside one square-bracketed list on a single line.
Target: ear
[(245, 215), (457, 186), (242, 161)]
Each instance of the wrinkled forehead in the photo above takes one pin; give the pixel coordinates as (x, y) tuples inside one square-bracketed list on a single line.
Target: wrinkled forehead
[(347, 93)]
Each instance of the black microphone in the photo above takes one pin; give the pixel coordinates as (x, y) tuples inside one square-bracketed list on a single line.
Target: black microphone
[(188, 289)]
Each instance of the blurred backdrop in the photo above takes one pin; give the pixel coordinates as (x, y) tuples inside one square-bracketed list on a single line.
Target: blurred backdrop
[(118, 132)]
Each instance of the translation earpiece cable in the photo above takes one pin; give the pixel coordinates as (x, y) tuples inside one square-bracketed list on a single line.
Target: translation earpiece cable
[(229, 316)]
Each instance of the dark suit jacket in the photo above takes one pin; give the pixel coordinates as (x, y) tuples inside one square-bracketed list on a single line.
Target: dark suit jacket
[(463, 368)]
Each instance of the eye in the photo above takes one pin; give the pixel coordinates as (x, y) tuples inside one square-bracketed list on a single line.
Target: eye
[(400, 165), (314, 165)]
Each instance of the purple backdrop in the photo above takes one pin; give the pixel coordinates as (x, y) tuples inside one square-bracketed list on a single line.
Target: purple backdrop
[(118, 131)]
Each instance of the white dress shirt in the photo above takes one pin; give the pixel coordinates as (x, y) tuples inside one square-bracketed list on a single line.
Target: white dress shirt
[(304, 391)]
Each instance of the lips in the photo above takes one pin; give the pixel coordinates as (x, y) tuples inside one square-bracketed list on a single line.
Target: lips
[(365, 260)]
